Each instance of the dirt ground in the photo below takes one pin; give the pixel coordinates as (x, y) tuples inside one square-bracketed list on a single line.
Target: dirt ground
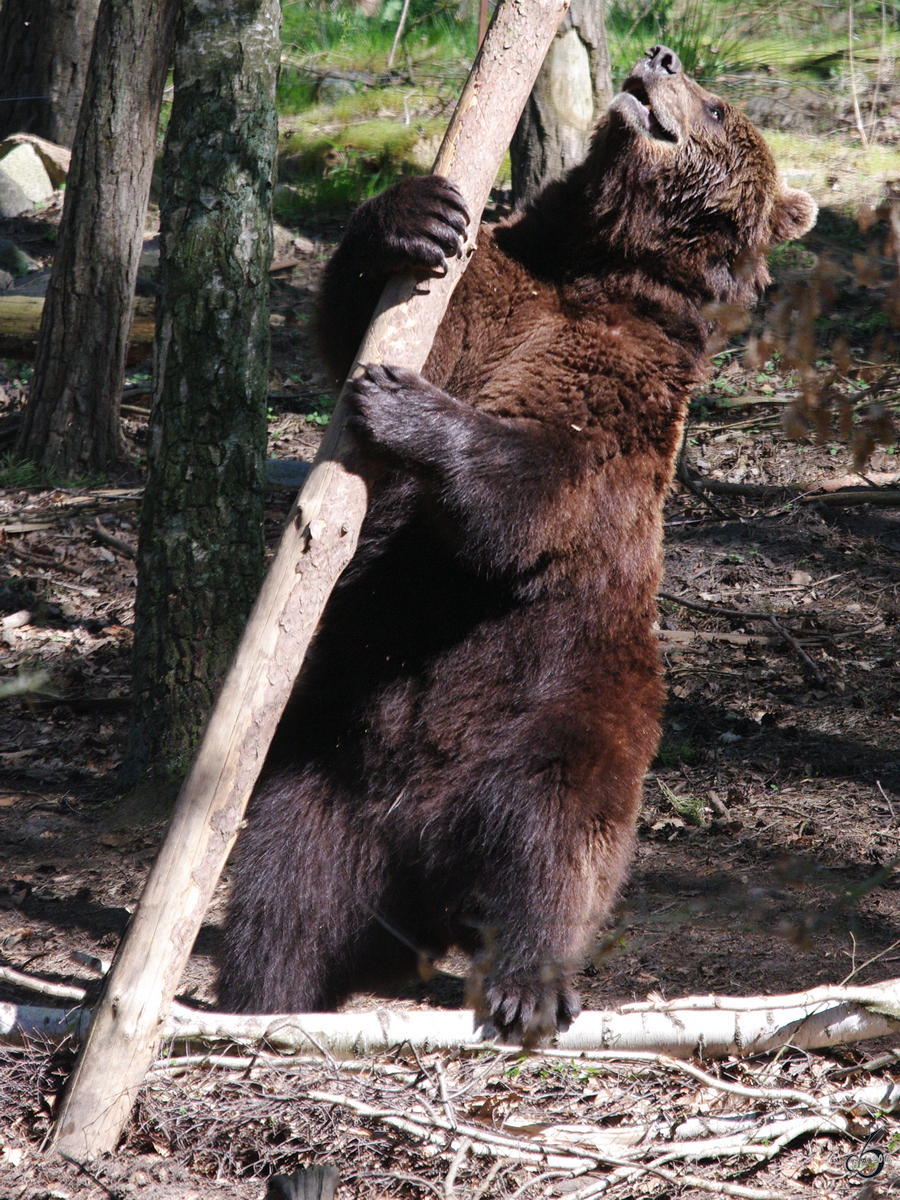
[(767, 849)]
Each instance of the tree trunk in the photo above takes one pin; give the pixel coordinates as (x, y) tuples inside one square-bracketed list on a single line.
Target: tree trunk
[(572, 90), (200, 558), (71, 421), (45, 46)]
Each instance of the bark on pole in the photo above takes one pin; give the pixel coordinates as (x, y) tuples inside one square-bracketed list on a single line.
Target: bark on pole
[(318, 542), (201, 551)]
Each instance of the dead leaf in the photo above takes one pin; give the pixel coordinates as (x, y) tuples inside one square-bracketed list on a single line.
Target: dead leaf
[(115, 839)]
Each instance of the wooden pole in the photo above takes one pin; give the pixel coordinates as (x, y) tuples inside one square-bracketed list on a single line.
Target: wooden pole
[(318, 542)]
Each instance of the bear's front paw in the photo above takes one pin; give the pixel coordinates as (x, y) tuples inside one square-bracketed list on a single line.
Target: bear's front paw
[(395, 410), (415, 225), (525, 1006)]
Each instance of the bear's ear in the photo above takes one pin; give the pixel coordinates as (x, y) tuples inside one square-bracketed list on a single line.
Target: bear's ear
[(793, 213)]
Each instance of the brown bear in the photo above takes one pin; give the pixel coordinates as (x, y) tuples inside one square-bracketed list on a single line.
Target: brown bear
[(462, 757)]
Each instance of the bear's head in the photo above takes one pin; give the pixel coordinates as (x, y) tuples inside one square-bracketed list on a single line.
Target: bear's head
[(682, 185)]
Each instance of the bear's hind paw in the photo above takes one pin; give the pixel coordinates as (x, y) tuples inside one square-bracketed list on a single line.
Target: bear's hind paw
[(523, 1008)]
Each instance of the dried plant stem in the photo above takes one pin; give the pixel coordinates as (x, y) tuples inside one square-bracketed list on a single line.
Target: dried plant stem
[(397, 36), (856, 112)]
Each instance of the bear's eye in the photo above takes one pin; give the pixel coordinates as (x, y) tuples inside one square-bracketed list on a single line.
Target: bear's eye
[(716, 112)]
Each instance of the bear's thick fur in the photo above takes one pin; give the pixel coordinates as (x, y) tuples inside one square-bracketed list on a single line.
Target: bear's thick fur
[(461, 761)]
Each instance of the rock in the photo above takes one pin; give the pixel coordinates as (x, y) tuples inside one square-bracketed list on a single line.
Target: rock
[(56, 159), (35, 283), (14, 260), (13, 201), (6, 280), (286, 473), (335, 84), (24, 166)]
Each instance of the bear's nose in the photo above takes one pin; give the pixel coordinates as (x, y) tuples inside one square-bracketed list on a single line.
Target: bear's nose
[(661, 58)]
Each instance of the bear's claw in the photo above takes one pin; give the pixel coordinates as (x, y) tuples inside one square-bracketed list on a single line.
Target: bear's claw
[(420, 222), (525, 1008)]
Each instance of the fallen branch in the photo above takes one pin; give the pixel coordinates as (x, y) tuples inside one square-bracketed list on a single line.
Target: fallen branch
[(887, 497), (107, 539), (875, 489), (581, 1146), (575, 1148), (704, 1026), (20, 322), (60, 991), (673, 639), (689, 480), (734, 614), (609, 1121)]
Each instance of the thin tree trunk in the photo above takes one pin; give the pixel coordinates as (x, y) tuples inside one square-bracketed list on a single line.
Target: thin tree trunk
[(572, 90), (200, 558), (71, 421), (45, 46)]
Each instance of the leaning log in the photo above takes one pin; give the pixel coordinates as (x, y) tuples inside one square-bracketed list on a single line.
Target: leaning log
[(317, 544)]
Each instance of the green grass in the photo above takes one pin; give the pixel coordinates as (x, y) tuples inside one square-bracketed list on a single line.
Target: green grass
[(313, 140), (338, 153), (18, 473), (342, 36), (714, 37), (706, 36), (674, 751), (295, 91), (333, 175)]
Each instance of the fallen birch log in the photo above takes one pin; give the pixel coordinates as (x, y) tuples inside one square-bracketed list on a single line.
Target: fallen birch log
[(695, 1026)]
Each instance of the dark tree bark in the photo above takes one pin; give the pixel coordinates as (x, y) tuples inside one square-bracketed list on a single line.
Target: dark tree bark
[(572, 90), (45, 46), (200, 558), (72, 418)]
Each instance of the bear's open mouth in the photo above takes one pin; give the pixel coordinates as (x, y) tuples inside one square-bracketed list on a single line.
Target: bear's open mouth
[(634, 105)]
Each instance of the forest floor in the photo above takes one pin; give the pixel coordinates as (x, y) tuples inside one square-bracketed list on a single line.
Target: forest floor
[(766, 853)]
